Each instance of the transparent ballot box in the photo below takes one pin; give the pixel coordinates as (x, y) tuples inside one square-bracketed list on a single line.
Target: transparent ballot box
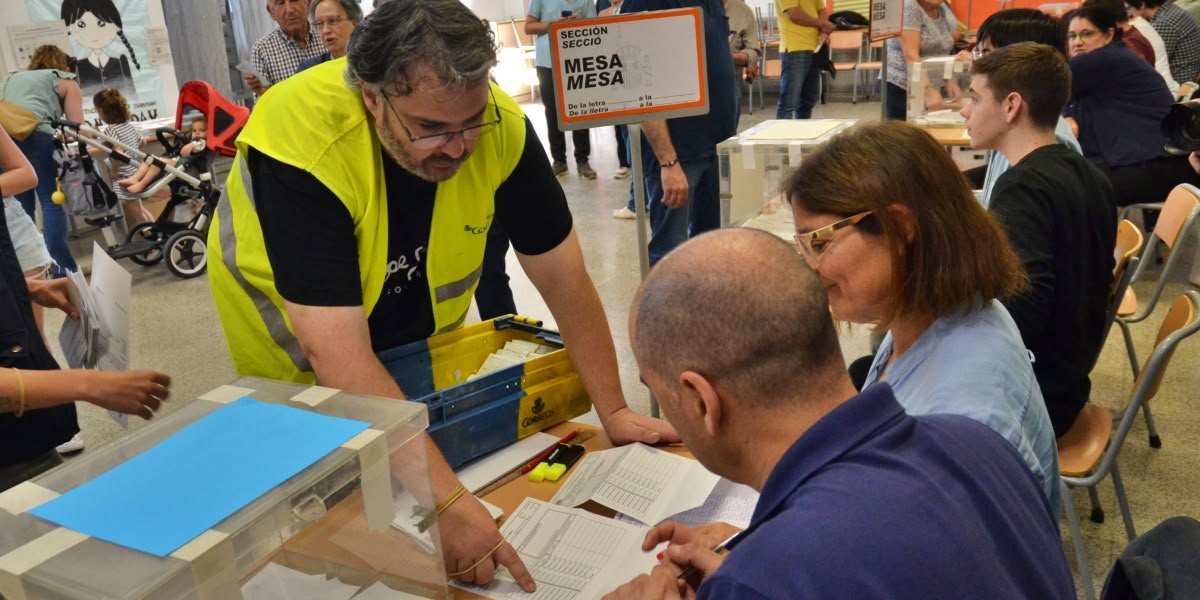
[(754, 163), (937, 87), (348, 521)]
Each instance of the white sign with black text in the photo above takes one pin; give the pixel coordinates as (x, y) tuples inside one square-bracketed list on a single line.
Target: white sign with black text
[(629, 68)]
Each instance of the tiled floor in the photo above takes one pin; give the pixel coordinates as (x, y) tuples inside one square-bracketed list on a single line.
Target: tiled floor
[(175, 330)]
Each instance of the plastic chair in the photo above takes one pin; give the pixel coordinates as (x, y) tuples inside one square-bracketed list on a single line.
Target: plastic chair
[(1088, 452), (1125, 261), (852, 40), (1178, 216)]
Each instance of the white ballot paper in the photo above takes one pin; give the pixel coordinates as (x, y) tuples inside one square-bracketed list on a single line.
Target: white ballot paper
[(77, 337), (730, 502), (570, 552), (100, 338), (645, 483)]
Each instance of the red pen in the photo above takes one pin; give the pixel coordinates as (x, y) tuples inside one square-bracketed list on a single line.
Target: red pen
[(566, 438)]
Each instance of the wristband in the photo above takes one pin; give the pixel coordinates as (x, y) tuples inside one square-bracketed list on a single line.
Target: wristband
[(671, 163)]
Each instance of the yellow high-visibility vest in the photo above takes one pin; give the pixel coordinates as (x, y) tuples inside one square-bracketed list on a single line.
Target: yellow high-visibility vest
[(314, 122)]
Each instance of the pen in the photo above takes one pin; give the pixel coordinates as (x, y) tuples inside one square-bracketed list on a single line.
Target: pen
[(719, 548), (540, 457)]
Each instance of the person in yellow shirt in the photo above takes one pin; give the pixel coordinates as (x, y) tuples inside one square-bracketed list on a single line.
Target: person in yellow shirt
[(803, 26)]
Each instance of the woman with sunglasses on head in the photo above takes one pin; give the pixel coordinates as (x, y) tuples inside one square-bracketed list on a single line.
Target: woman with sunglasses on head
[(890, 225), (1117, 105)]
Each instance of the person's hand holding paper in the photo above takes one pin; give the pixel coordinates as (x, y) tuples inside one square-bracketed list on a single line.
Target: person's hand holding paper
[(52, 293)]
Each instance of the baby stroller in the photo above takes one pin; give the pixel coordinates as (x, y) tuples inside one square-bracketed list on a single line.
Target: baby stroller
[(181, 242)]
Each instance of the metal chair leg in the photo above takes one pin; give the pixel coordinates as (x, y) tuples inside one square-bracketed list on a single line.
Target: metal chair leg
[(1097, 511), (1085, 571), (1123, 502), (1155, 441), (1129, 349)]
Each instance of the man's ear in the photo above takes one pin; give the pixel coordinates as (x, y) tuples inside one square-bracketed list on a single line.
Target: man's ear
[(371, 99), (1012, 105), (701, 400)]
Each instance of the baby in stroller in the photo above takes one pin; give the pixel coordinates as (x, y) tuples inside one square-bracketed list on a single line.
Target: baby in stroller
[(191, 154)]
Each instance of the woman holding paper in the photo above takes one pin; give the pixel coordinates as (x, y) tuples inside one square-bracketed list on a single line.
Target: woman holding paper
[(37, 410)]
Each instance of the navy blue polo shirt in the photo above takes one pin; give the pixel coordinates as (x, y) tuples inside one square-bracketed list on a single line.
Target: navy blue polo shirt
[(873, 503)]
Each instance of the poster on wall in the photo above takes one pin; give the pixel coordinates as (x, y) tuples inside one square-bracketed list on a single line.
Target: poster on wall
[(109, 40), (26, 38)]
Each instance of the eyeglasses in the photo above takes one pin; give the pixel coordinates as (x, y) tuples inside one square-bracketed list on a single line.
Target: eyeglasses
[(979, 51), (333, 22), (815, 243), (1082, 34), (437, 140)]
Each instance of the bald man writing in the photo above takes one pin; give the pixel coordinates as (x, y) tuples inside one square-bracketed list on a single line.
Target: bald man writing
[(858, 499)]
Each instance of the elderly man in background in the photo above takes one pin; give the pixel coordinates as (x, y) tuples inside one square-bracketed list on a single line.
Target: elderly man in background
[(335, 20), (278, 54)]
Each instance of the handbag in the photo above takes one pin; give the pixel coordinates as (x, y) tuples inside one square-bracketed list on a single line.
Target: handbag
[(18, 122)]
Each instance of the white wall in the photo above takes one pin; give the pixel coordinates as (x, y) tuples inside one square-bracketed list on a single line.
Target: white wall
[(497, 10)]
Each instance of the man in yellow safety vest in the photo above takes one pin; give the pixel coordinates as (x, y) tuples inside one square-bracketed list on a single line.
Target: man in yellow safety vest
[(355, 219)]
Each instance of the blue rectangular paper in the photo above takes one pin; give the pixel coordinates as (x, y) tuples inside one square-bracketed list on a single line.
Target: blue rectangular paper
[(164, 497)]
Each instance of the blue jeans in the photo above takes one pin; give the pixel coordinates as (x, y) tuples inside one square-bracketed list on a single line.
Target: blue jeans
[(39, 149), (670, 227), (799, 85)]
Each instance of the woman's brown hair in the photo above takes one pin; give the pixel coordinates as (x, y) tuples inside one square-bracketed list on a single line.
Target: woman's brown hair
[(958, 254), (49, 56), (111, 105)]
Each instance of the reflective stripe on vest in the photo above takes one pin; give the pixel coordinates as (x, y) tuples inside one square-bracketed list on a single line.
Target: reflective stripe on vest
[(271, 315)]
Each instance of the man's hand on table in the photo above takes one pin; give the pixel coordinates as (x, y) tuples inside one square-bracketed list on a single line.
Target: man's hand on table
[(660, 584), (624, 426), (689, 547), (469, 533)]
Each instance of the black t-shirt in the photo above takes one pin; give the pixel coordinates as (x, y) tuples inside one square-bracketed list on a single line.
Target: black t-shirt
[(37, 431), (310, 239), (1061, 218)]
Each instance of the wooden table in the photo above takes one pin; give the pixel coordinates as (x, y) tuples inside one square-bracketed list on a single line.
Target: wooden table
[(340, 544), (950, 136)]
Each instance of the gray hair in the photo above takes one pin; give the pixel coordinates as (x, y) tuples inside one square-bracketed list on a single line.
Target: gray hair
[(353, 10), (443, 36)]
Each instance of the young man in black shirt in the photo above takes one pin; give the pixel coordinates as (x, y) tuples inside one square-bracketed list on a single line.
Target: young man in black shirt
[(1060, 215)]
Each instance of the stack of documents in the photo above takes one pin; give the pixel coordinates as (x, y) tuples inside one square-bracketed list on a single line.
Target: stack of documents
[(100, 338), (645, 483), (514, 352), (571, 553)]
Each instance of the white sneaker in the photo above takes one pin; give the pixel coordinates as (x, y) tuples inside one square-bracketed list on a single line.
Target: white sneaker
[(621, 173), (624, 213), (74, 444)]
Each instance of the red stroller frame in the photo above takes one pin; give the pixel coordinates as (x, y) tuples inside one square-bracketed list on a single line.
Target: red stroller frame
[(225, 119)]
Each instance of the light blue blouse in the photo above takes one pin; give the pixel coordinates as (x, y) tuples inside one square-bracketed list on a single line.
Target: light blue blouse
[(975, 365)]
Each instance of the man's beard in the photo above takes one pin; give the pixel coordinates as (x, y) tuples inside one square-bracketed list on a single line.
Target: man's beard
[(437, 167)]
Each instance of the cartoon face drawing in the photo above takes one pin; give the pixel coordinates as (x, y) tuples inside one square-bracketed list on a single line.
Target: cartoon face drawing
[(92, 32)]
